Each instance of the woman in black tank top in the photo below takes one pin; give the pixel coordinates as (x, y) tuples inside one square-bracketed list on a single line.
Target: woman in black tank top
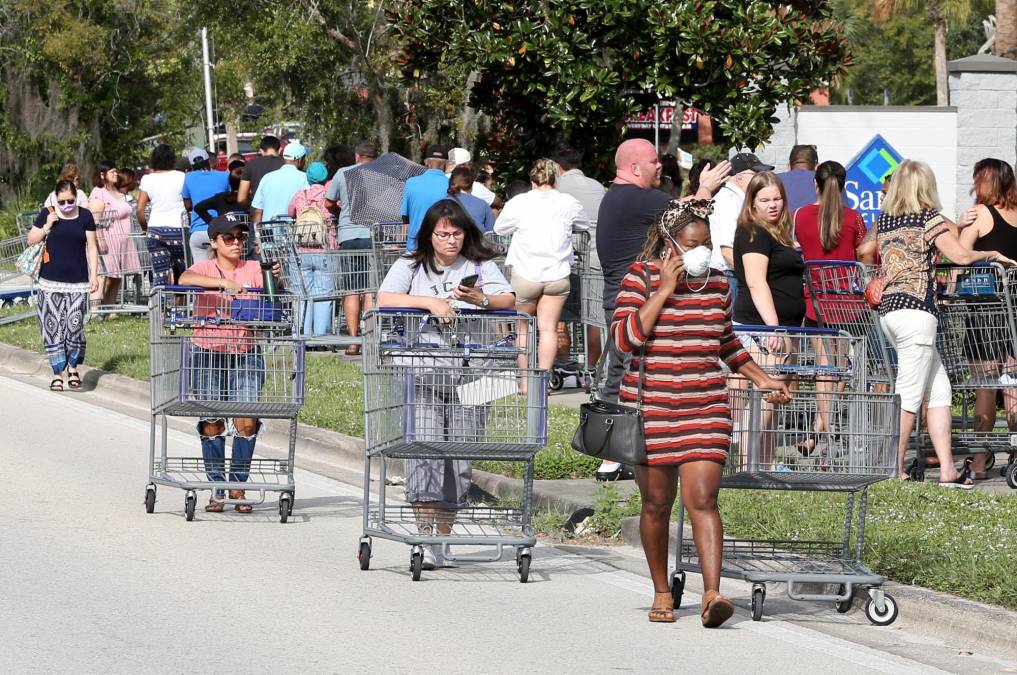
[(991, 225)]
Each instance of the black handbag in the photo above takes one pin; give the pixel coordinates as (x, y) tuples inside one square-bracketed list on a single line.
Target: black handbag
[(613, 431)]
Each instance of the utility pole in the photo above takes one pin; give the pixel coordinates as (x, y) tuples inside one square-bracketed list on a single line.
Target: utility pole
[(209, 112)]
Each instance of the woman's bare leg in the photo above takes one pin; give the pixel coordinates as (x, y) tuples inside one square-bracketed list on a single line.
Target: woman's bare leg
[(700, 485), (658, 486)]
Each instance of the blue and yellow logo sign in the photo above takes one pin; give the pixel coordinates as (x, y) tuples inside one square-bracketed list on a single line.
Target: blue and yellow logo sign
[(865, 176)]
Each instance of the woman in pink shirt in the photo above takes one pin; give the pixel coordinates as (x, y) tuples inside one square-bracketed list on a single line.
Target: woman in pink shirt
[(226, 363), (112, 213)]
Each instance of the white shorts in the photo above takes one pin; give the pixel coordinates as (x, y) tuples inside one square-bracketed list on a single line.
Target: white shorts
[(920, 372)]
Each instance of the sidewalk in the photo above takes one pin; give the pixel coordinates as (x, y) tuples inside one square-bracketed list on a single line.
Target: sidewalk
[(956, 620)]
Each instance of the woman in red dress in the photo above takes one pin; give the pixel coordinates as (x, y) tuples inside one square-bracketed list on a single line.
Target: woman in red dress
[(681, 326)]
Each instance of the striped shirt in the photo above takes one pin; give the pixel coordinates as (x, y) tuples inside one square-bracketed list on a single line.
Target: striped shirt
[(685, 397)]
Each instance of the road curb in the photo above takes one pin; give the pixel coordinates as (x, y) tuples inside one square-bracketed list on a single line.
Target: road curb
[(322, 451), (961, 623)]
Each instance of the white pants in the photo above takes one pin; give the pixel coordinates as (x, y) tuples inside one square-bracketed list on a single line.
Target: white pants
[(920, 373)]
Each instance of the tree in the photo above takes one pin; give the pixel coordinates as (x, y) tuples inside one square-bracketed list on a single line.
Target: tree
[(941, 13), (1006, 29), (574, 70)]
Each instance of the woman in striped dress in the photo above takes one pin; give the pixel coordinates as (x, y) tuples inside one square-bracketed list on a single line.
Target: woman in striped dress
[(681, 326)]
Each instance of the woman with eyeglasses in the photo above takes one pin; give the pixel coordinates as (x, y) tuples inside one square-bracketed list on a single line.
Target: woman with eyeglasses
[(450, 249), (226, 364), (66, 277)]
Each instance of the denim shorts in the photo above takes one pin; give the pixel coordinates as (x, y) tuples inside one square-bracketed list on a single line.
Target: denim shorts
[(222, 376)]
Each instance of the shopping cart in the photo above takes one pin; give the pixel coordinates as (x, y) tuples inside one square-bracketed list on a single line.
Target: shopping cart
[(388, 243), (977, 342), (26, 220), (124, 256), (215, 356), (837, 291), (17, 290), (449, 391), (780, 448)]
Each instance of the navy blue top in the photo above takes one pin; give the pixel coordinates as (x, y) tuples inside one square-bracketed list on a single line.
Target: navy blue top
[(66, 248)]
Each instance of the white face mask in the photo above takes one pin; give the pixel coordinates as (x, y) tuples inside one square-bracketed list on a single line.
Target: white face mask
[(697, 260)]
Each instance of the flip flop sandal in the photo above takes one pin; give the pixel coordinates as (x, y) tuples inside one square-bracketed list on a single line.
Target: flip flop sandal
[(56, 384), (73, 379), (963, 481), (241, 508), (716, 609), (663, 614), (213, 506)]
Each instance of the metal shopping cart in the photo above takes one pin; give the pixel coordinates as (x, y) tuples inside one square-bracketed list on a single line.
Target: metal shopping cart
[(977, 342), (215, 356), (17, 290), (388, 243), (124, 255), (783, 448), (448, 391), (837, 291), (26, 220), (321, 274)]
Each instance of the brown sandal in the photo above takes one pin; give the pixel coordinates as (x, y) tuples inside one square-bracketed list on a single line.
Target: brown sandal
[(715, 610), (73, 379), (241, 508), (214, 507), (662, 610)]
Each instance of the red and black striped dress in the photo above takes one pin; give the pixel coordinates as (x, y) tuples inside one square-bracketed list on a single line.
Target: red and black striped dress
[(685, 395)]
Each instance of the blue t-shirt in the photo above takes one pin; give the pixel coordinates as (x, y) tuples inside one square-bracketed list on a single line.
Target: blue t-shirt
[(199, 186), (800, 185), (420, 194), (276, 190), (480, 212)]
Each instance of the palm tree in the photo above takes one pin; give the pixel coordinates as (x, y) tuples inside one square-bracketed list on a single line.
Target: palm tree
[(942, 13), (1006, 29)]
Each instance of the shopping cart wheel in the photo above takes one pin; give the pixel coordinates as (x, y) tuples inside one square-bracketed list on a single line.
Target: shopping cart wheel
[(990, 460), (677, 588), (416, 563), (884, 618), (523, 560), (285, 507), (554, 380), (189, 502), (364, 556), (843, 606), (1011, 475), (758, 596), (915, 472), (150, 499)]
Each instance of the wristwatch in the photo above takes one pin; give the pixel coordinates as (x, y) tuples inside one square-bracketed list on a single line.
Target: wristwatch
[(485, 302)]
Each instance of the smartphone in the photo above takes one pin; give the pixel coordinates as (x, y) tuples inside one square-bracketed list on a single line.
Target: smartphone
[(470, 281)]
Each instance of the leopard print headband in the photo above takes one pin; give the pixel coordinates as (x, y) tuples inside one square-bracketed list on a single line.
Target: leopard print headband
[(678, 214)]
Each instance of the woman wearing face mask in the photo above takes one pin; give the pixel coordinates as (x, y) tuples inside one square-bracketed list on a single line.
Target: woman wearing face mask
[(66, 277), (223, 202), (683, 310)]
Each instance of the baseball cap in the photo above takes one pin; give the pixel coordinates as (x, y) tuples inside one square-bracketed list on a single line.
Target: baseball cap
[(317, 173), (436, 152), (459, 155), (224, 223), (197, 155), (746, 161), (294, 150)]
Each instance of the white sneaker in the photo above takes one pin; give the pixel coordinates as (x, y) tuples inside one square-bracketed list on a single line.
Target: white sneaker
[(430, 561)]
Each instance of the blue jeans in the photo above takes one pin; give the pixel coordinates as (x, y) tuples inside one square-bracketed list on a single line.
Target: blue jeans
[(733, 284), (318, 281)]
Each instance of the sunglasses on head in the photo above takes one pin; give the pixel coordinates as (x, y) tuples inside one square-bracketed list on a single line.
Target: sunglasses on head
[(229, 237), (64, 202)]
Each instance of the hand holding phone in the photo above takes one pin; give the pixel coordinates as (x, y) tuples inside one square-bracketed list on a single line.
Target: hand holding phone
[(470, 281)]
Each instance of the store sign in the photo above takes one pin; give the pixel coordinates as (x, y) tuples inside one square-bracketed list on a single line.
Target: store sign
[(645, 119), (865, 176)]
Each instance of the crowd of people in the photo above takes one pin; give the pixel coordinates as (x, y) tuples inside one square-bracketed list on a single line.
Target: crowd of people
[(732, 251)]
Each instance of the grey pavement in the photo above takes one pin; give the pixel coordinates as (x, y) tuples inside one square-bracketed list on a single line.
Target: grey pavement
[(91, 583)]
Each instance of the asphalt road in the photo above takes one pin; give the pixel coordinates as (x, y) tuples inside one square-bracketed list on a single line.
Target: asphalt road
[(91, 583)]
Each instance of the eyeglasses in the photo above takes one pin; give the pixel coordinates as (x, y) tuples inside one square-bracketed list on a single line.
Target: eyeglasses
[(64, 202), (229, 237), (445, 236)]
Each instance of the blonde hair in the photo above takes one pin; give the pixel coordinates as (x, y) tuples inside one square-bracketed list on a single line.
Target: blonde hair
[(912, 189), (749, 220), (544, 172)]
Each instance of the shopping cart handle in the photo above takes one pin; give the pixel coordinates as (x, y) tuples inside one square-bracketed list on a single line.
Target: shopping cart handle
[(202, 289), (790, 330), (831, 263), (957, 266), (479, 312)]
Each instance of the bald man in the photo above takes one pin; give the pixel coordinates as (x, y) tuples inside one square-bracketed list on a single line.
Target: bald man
[(628, 210)]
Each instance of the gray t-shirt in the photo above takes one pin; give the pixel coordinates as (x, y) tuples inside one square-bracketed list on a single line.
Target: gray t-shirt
[(403, 277), (339, 192)]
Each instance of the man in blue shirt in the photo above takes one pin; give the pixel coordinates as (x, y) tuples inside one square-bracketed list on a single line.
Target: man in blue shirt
[(800, 180), (423, 191), (200, 183), (276, 190)]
